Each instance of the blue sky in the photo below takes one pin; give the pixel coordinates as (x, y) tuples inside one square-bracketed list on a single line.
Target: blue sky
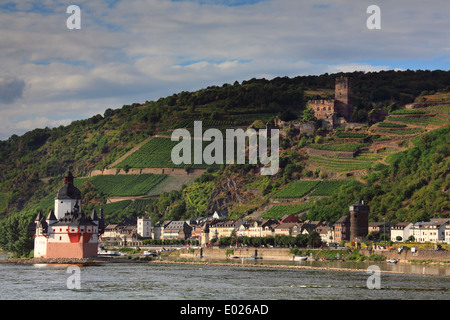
[(137, 50)]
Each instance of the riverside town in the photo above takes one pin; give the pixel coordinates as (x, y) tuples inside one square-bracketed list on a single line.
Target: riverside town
[(311, 182)]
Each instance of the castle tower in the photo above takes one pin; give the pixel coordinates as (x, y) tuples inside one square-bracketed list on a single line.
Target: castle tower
[(67, 232), (67, 197), (144, 227), (359, 221), (343, 94)]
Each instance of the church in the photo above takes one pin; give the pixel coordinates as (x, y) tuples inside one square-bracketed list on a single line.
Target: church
[(67, 232)]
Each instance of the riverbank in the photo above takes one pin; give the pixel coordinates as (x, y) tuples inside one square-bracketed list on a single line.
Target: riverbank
[(239, 263)]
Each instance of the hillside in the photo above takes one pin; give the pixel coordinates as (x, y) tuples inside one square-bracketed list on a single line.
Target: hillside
[(32, 165)]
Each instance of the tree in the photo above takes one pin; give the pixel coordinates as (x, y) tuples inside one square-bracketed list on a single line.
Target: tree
[(308, 115), (14, 236)]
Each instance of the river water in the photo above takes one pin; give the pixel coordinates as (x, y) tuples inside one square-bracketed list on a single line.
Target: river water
[(139, 281)]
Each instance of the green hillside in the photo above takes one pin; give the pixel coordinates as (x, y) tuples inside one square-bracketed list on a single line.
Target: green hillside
[(32, 165)]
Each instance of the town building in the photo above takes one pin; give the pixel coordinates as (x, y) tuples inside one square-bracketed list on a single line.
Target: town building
[(177, 230), (67, 232), (158, 229), (400, 231), (326, 233), (432, 231), (342, 229), (262, 228), (447, 234), (224, 228), (144, 227), (379, 228), (288, 229)]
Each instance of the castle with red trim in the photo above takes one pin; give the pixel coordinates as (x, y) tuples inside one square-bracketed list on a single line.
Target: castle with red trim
[(67, 232)]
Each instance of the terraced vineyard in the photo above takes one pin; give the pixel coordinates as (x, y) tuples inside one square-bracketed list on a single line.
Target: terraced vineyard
[(123, 185), (114, 207), (340, 164), (297, 189), (278, 211), (328, 187), (157, 154)]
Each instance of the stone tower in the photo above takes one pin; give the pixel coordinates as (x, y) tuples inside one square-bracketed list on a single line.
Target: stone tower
[(343, 95), (359, 221)]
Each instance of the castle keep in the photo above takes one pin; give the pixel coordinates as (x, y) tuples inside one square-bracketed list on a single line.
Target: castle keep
[(334, 112), (67, 232)]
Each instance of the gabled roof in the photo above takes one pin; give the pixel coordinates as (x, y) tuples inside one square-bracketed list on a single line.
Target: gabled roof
[(343, 220)]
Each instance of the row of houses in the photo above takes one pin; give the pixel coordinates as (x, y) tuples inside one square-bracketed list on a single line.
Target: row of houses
[(204, 230)]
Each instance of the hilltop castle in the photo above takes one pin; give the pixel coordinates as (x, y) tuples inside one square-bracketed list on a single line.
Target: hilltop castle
[(335, 112), (67, 232)]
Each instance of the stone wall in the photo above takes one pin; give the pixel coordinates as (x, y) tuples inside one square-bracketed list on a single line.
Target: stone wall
[(322, 108), (168, 171), (406, 255)]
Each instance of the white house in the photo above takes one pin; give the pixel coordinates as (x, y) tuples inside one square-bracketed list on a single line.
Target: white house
[(433, 231), (144, 227), (447, 234), (402, 230)]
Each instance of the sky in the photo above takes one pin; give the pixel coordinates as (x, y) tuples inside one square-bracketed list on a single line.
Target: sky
[(131, 51)]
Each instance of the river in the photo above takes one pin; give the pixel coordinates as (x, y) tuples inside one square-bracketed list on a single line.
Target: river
[(139, 281)]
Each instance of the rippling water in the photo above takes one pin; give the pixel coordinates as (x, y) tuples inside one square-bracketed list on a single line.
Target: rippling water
[(208, 282)]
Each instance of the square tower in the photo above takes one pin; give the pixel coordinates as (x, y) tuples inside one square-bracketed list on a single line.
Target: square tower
[(343, 95)]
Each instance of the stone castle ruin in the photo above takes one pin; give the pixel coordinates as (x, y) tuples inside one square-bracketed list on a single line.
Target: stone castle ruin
[(335, 112)]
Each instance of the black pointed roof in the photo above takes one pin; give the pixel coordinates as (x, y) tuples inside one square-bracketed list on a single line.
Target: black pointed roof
[(39, 216), (51, 216), (359, 205), (68, 191), (94, 216)]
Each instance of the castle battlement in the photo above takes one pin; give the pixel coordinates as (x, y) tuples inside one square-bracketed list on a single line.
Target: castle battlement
[(341, 105), (321, 101)]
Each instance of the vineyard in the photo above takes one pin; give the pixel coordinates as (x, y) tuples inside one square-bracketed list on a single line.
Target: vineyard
[(157, 154), (338, 147), (297, 189), (401, 132), (391, 125), (328, 187), (356, 135), (408, 111), (421, 120), (278, 211), (114, 207), (123, 185), (189, 123)]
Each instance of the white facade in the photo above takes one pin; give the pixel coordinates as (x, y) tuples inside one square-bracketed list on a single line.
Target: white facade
[(401, 230), (62, 206), (144, 227), (61, 234), (428, 231), (447, 234)]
